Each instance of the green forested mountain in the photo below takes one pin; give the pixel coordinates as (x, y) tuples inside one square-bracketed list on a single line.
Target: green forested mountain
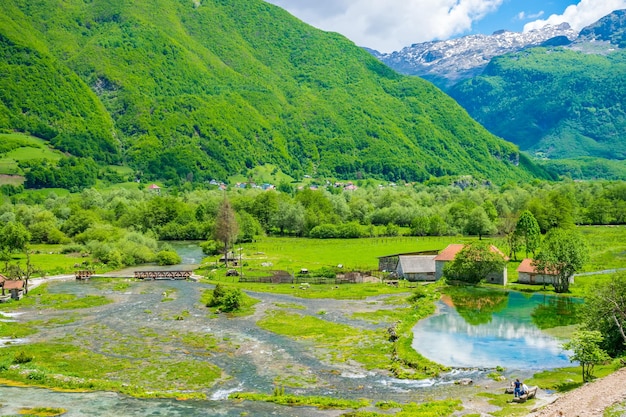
[(556, 102), (206, 88)]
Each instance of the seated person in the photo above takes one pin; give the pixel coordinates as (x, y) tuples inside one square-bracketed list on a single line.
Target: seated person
[(518, 388), (524, 389)]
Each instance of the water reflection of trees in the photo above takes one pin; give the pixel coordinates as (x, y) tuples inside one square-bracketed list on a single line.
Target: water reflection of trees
[(556, 312), (477, 305)]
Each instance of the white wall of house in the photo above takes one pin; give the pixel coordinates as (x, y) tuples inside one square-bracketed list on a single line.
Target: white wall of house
[(527, 278)]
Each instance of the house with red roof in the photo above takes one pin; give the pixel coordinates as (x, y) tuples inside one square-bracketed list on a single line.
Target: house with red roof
[(450, 252), (15, 288), (528, 274)]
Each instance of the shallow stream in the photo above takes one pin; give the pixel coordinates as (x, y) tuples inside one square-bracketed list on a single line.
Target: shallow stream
[(253, 358)]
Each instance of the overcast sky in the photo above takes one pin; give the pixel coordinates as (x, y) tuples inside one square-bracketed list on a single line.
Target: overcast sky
[(390, 25)]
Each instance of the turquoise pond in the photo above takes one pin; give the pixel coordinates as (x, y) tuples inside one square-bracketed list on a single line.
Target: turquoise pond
[(486, 329)]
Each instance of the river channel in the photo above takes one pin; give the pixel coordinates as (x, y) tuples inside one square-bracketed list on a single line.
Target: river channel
[(253, 358)]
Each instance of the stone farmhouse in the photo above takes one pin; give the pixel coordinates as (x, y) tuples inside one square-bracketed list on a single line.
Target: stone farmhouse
[(528, 274), (450, 252)]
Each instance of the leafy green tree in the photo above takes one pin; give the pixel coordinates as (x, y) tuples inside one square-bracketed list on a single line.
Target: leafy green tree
[(14, 237), (225, 298), (562, 252), (605, 311), (420, 226), (585, 346), (210, 247), (437, 225), (479, 223), (168, 257), (288, 217), (264, 207), (249, 227), (527, 229), (226, 227), (506, 226), (491, 210), (474, 263), (78, 222)]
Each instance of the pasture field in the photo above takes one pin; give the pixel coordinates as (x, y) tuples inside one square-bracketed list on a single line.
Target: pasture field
[(18, 147), (293, 254), (607, 250)]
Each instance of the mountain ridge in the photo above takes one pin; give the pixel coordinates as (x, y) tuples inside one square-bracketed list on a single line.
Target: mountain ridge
[(189, 91), (559, 99), (447, 62)]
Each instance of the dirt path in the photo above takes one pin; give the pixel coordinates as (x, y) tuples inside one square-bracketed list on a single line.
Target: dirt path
[(589, 400)]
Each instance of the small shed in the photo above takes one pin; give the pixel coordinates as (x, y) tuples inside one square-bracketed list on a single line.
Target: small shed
[(416, 267), (154, 188), (389, 263), (528, 274), (15, 288), (450, 252)]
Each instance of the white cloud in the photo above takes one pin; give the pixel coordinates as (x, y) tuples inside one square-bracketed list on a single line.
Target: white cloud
[(525, 16), (392, 24), (580, 15)]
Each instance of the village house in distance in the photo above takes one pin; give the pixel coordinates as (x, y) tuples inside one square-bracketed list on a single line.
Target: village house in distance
[(428, 265)]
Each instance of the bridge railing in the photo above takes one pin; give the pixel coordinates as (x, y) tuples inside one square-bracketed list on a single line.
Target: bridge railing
[(162, 274)]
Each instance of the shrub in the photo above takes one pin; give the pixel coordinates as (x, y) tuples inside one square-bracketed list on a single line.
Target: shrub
[(226, 299), (324, 231), (168, 257), (210, 247), (74, 248), (22, 357)]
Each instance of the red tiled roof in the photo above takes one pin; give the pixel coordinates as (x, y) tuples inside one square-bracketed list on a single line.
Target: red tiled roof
[(450, 252), (154, 187), (527, 267), (13, 285)]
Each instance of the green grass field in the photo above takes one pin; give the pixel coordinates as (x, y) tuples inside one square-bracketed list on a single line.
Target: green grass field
[(293, 254), (18, 147)]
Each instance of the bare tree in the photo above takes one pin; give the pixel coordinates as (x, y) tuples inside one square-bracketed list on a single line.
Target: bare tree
[(16, 271), (226, 227)]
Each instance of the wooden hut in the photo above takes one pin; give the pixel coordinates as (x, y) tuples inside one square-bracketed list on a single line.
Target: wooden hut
[(15, 288)]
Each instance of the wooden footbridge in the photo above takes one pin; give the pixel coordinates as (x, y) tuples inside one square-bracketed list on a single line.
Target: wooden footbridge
[(81, 275), (153, 275)]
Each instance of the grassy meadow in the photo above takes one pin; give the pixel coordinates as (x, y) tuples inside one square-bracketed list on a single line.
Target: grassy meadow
[(607, 250), (18, 147)]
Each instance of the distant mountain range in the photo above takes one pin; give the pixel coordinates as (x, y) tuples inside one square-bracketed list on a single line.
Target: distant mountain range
[(554, 92), (447, 62), (195, 90)]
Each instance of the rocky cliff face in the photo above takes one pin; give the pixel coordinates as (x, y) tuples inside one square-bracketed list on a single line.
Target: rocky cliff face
[(611, 28), (447, 62)]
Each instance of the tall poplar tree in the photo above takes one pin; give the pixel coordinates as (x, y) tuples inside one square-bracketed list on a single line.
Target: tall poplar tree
[(226, 227), (528, 230)]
